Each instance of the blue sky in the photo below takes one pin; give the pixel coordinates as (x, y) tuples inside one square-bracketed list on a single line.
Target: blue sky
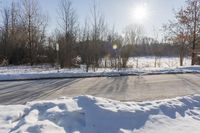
[(116, 12)]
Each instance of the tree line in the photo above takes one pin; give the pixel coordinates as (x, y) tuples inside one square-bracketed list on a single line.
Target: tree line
[(24, 40)]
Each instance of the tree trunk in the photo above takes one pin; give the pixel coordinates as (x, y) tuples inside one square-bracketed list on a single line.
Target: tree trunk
[(181, 60)]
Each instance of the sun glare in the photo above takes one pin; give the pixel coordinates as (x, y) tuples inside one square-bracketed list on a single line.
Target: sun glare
[(140, 13)]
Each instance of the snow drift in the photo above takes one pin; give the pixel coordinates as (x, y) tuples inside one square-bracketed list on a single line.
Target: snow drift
[(87, 114)]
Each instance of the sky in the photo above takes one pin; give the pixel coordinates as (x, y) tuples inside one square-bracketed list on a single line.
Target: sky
[(119, 13)]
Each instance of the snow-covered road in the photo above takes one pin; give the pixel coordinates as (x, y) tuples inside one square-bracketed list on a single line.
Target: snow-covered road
[(127, 88)]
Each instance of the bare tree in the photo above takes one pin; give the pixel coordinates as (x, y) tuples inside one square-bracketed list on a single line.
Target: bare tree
[(133, 34), (177, 34), (69, 26), (98, 33), (10, 33), (34, 23), (85, 46), (191, 18), (133, 37), (186, 28), (5, 32)]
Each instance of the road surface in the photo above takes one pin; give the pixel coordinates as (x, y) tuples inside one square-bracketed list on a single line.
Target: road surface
[(130, 88)]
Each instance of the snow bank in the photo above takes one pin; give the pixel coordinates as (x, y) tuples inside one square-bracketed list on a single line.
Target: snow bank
[(87, 114), (9, 74), (138, 66)]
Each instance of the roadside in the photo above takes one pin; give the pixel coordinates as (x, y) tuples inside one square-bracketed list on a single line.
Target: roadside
[(30, 73)]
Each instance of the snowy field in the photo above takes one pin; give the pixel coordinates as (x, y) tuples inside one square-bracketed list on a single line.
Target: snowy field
[(87, 114), (135, 63), (137, 66), (152, 62)]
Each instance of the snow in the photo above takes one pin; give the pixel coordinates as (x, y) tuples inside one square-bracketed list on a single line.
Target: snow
[(137, 66), (9, 115), (7, 74), (162, 62), (88, 114)]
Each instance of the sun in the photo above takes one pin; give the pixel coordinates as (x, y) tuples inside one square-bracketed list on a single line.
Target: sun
[(140, 13)]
